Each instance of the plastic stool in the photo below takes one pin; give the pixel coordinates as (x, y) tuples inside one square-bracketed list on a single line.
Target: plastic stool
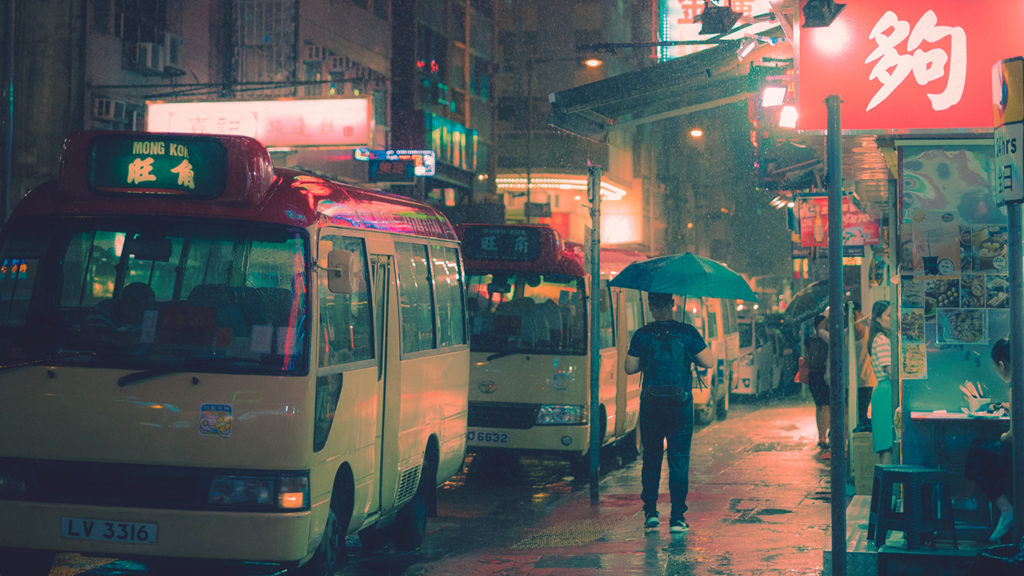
[(927, 503)]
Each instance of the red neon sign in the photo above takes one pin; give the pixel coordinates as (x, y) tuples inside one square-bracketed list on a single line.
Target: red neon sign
[(910, 65)]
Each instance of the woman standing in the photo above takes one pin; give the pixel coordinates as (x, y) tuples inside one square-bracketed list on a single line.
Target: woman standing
[(881, 399), (817, 383)]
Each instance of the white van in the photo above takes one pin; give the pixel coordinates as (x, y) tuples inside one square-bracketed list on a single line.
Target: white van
[(715, 319)]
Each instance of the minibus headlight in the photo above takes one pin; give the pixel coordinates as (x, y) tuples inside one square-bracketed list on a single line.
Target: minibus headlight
[(12, 479), (561, 414), (270, 491)]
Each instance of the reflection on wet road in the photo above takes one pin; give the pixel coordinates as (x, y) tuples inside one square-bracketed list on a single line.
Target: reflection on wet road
[(759, 504)]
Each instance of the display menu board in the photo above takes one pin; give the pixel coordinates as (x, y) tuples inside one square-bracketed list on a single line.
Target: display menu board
[(953, 273)]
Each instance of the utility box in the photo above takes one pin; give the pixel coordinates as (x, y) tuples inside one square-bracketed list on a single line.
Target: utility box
[(864, 458)]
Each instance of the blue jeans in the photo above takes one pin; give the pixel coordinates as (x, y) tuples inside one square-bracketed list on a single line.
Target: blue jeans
[(664, 419)]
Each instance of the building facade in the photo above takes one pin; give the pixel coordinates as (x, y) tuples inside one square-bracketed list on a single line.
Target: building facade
[(424, 66), (542, 171)]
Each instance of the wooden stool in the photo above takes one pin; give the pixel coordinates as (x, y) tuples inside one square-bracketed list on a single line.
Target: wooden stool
[(927, 503)]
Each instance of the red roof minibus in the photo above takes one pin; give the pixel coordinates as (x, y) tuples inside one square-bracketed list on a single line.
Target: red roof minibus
[(207, 358)]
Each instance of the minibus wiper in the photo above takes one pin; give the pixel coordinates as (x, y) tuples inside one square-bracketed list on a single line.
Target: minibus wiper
[(497, 355), (58, 357), (25, 364), (194, 362), (141, 375)]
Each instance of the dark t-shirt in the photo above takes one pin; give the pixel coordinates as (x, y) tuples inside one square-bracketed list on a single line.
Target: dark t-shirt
[(647, 338), (817, 354)]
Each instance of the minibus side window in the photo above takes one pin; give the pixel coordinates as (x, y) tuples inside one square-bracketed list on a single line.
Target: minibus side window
[(346, 323), (449, 290), (415, 297)]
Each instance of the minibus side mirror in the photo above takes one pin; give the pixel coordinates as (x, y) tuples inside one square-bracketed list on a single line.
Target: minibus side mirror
[(342, 272)]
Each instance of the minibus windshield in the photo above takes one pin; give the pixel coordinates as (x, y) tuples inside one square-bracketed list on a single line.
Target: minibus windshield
[(525, 312), (153, 294)]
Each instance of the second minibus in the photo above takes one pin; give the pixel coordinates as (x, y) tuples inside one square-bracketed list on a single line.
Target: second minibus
[(530, 344)]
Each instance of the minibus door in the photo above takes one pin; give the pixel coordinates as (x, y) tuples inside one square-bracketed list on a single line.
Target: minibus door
[(383, 317)]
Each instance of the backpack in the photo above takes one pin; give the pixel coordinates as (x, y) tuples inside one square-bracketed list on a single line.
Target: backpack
[(667, 369)]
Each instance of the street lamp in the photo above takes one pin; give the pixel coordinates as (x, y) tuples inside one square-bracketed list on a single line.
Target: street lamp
[(589, 63)]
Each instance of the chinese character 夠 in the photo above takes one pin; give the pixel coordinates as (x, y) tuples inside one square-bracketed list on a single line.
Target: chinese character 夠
[(893, 67)]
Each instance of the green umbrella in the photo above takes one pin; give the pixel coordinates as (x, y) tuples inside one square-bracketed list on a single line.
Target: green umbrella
[(685, 275)]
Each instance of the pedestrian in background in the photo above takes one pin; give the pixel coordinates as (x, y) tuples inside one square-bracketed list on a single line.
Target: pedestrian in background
[(817, 367), (866, 380), (882, 413), (664, 351)]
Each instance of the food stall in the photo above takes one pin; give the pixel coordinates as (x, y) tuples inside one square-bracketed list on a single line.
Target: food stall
[(953, 301), (948, 272)]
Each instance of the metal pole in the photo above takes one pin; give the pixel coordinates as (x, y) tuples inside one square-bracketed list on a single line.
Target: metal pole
[(529, 136), (1016, 252), (837, 431), (6, 195), (594, 191)]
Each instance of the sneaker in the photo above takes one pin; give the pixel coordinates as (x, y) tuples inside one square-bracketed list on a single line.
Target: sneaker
[(1002, 527), (651, 520), (678, 526)]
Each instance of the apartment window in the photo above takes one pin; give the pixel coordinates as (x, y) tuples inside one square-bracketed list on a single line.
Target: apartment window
[(266, 39), (139, 20)]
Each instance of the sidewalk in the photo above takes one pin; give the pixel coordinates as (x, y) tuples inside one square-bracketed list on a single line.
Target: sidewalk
[(759, 505)]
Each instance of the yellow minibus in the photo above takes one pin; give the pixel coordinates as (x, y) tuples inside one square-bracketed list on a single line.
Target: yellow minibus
[(205, 359), (528, 313)]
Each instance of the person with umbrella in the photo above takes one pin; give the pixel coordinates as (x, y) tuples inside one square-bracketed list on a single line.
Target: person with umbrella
[(664, 350)]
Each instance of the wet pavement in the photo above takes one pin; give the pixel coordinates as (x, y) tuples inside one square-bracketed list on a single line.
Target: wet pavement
[(759, 505)]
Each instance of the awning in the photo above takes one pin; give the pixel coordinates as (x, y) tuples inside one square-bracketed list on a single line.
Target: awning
[(707, 79)]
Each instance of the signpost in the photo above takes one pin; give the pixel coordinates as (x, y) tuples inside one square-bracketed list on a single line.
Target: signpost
[(1008, 111)]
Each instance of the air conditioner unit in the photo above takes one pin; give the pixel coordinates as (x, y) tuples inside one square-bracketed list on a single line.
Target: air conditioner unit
[(338, 64), (146, 57), (109, 109), (173, 44), (315, 53)]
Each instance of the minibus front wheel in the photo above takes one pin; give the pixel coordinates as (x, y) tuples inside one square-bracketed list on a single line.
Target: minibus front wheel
[(331, 555), (17, 562)]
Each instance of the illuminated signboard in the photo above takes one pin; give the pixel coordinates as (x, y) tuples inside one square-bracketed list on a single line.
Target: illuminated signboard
[(183, 165), (397, 165), (485, 243), (858, 227), (908, 65), (275, 123)]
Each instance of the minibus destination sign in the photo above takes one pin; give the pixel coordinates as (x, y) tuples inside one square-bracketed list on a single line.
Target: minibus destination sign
[(187, 165), (487, 243)]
